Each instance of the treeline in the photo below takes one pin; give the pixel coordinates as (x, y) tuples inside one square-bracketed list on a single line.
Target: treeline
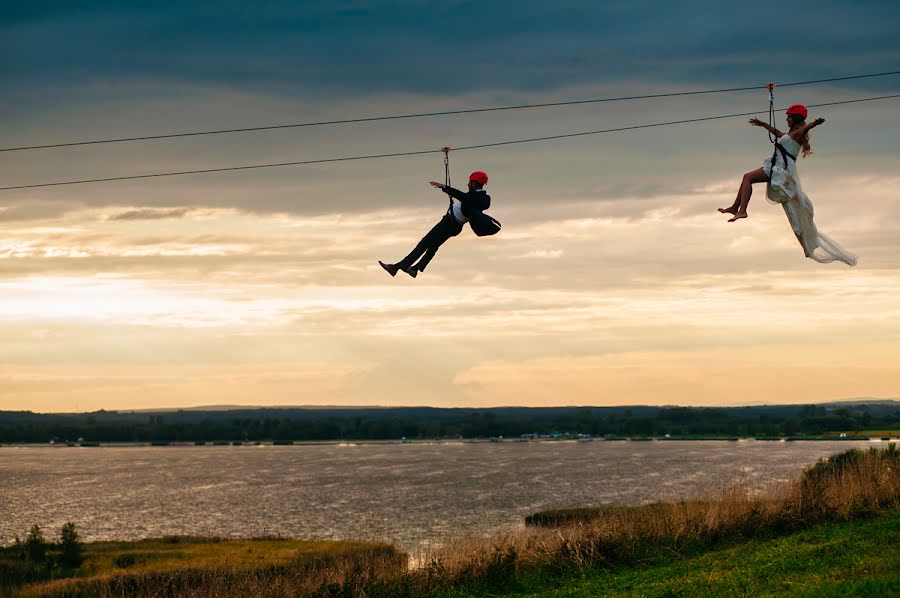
[(422, 423)]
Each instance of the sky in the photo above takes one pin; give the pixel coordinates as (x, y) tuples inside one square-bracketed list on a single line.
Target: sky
[(613, 282)]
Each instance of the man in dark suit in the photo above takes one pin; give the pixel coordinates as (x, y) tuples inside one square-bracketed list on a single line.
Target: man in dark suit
[(464, 207)]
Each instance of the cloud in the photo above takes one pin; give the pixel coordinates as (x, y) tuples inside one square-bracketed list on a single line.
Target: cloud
[(318, 48), (151, 214), (541, 254), (36, 209), (177, 289)]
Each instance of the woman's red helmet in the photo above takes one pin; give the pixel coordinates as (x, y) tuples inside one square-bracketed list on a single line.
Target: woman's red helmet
[(479, 177), (798, 110)]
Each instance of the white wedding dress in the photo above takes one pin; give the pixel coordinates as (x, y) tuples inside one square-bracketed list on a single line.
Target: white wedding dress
[(784, 188)]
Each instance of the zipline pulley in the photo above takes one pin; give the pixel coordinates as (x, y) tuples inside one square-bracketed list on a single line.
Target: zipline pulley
[(447, 149)]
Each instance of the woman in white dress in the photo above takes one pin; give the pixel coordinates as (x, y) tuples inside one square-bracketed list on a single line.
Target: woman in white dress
[(779, 171)]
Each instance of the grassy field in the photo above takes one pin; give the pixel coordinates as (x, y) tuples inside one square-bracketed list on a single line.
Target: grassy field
[(857, 558), (175, 565), (860, 558)]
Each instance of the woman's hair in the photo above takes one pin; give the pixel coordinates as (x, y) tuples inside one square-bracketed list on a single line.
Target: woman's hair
[(805, 148)]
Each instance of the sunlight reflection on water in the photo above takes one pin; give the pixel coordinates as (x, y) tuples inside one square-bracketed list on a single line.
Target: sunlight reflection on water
[(412, 495)]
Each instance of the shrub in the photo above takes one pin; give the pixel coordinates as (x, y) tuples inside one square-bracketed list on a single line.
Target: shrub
[(35, 545), (123, 561), (70, 546), (851, 483)]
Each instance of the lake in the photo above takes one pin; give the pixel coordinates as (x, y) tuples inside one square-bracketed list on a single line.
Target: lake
[(412, 495)]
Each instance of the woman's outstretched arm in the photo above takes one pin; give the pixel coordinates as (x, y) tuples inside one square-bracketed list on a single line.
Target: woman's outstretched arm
[(807, 127), (758, 123)]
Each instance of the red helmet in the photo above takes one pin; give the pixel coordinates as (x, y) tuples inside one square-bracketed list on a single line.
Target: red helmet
[(799, 110), (479, 177)]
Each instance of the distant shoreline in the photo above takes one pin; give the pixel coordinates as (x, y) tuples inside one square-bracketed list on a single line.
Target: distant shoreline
[(506, 424), (423, 441)]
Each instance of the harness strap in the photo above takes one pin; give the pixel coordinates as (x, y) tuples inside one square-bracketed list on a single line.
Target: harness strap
[(771, 88), (784, 155), (447, 151)]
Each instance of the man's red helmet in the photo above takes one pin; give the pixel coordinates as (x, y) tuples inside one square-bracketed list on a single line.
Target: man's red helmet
[(479, 177), (798, 110)]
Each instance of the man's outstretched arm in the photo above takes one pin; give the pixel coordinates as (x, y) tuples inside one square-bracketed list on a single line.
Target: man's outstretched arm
[(455, 193)]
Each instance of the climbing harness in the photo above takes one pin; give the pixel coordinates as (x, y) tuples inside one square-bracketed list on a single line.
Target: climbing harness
[(772, 137), (784, 155), (482, 224)]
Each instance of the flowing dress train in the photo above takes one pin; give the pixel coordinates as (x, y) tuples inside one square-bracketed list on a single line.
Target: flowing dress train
[(784, 188)]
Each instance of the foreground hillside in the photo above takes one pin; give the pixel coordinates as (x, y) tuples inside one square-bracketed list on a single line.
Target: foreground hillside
[(859, 558), (841, 559)]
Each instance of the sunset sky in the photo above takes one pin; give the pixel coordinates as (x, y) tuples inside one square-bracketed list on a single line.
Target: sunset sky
[(614, 280)]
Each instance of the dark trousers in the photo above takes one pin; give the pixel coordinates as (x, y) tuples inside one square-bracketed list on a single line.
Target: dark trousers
[(428, 246)]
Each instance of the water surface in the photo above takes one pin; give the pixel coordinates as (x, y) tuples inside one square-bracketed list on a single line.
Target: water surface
[(407, 494)]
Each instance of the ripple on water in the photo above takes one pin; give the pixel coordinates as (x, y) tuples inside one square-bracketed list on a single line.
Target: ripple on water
[(414, 495)]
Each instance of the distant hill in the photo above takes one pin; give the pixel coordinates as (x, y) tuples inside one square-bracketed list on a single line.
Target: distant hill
[(889, 404), (863, 401), (873, 406), (333, 423)]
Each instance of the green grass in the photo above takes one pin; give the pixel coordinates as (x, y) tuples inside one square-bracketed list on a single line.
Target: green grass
[(860, 558)]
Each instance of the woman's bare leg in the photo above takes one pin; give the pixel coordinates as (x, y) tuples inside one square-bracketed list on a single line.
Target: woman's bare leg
[(745, 191), (732, 209)]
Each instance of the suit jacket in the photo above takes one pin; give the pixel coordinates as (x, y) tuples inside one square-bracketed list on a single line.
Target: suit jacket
[(473, 204), (472, 201)]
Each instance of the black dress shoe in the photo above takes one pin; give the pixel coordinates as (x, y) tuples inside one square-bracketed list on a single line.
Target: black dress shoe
[(412, 271), (390, 268)]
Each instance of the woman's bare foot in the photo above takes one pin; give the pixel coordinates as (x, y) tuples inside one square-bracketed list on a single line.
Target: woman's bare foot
[(730, 210), (738, 216)]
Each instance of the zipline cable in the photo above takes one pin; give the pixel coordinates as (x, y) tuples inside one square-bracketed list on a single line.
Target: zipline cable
[(432, 114), (651, 125), (428, 151)]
